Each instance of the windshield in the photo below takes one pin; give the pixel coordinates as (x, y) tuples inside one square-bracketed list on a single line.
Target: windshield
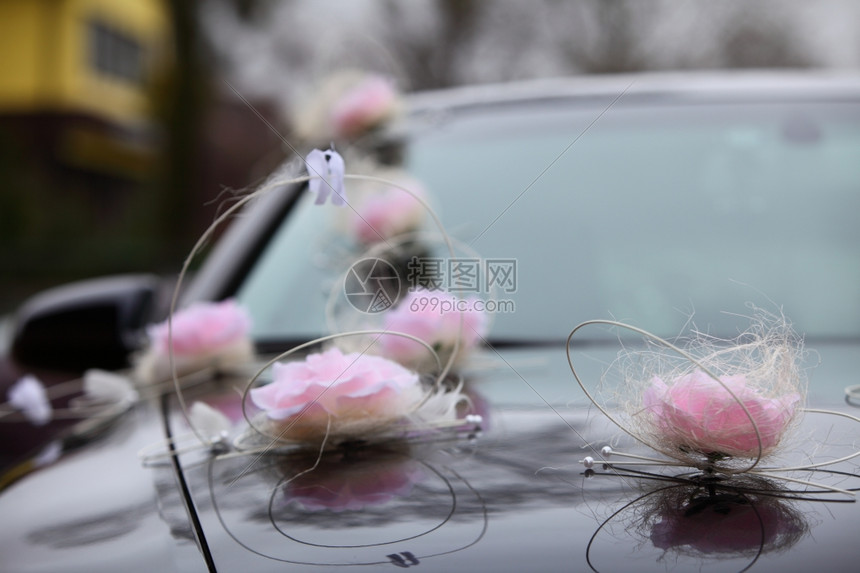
[(654, 214)]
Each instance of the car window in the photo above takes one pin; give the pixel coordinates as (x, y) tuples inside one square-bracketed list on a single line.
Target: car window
[(655, 213), (285, 292)]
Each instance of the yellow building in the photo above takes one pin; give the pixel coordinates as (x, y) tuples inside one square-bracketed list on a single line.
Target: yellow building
[(76, 78)]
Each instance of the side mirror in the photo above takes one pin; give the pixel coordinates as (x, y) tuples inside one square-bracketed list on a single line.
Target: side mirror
[(88, 324)]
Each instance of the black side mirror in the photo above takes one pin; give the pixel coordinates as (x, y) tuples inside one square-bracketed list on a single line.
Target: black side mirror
[(88, 324)]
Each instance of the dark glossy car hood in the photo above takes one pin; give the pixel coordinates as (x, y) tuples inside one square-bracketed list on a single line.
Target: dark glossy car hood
[(514, 498), (98, 509)]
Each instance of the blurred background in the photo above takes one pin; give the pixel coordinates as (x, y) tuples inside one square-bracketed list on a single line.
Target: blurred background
[(124, 124)]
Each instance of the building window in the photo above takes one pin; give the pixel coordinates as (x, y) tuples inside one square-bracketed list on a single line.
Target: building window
[(114, 53)]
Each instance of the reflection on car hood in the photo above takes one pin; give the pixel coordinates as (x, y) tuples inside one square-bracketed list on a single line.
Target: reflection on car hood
[(98, 509), (515, 497)]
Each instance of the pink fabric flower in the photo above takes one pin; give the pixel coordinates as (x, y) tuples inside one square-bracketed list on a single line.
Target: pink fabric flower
[(203, 328), (389, 213), (205, 335), (434, 317), (363, 107), (348, 389), (352, 487), (696, 412)]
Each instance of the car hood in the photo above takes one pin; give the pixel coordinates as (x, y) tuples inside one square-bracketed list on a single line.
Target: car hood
[(97, 508), (513, 497), (516, 498)]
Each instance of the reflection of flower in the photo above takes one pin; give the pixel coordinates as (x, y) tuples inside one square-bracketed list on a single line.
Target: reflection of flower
[(431, 317), (723, 523), (696, 412), (204, 334), (352, 392), (363, 107), (708, 519), (388, 213), (722, 527), (326, 170), (28, 395), (350, 485)]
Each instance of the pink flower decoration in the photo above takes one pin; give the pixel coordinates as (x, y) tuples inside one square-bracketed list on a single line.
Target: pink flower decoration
[(203, 328), (352, 487), (696, 412), (432, 316), (346, 389), (205, 335), (363, 107), (389, 213)]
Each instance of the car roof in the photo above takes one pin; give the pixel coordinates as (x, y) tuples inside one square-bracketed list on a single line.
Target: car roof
[(689, 85)]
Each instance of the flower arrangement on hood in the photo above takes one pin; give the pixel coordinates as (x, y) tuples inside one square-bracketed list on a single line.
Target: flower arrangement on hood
[(215, 335), (715, 405), (333, 396), (730, 416), (438, 318), (326, 400)]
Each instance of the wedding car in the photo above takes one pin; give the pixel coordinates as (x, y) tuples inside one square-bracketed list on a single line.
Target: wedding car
[(615, 230)]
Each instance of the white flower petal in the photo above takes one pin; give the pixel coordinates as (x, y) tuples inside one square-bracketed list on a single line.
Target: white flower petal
[(28, 395), (208, 421), (104, 386)]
